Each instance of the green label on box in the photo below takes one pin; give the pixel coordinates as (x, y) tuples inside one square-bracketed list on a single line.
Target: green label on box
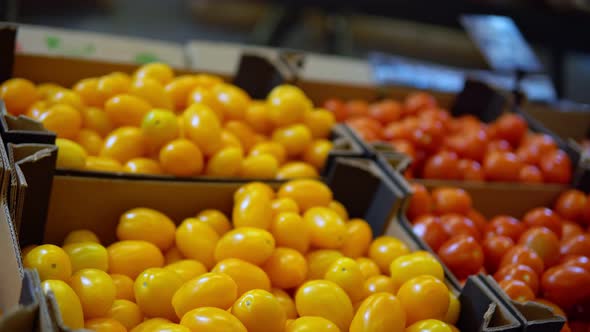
[(54, 43)]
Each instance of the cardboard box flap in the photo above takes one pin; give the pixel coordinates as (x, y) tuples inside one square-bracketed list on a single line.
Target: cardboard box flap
[(23, 129), (24, 316), (540, 318), (10, 260)]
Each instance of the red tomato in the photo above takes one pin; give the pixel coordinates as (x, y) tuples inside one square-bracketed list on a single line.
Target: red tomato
[(420, 202), (502, 166), (510, 127), (459, 124), (470, 145), (431, 231), (579, 261), (336, 106), (570, 229), (586, 218), (543, 217), (556, 167), (397, 131), (520, 254), (405, 147), (506, 226), (494, 248), (443, 165), (462, 255), (544, 242), (428, 136), (530, 174), (577, 245), (534, 146), (500, 145), (519, 272), (367, 134), (517, 290), (570, 205), (471, 170), (566, 285), (357, 107), (451, 200), (417, 101), (478, 219), (366, 122), (385, 111), (456, 224)]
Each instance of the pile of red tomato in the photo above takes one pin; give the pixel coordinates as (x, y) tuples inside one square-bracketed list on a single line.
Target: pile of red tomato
[(456, 148), (544, 256)]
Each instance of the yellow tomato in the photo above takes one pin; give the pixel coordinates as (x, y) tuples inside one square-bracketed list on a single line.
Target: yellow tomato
[(96, 291), (179, 89), (66, 97), (24, 251), (81, 235), (233, 100), (187, 269), (381, 312), (211, 289), (205, 96), (253, 187), (52, 262), (126, 110), (148, 325), (325, 299), (424, 297), (36, 109), (113, 84), (263, 166), (97, 120), (312, 324), (123, 144), (45, 90), (258, 117), (287, 105), (257, 303), (340, 209), (62, 119), (181, 157), (319, 122), (132, 257), (125, 312), (368, 267), (18, 94), (429, 325), (246, 275), (251, 244), (147, 225), (159, 127), (317, 153), (286, 302), (197, 240), (252, 209), (285, 225), (229, 140), (243, 132), (295, 138), (327, 229), (172, 255), (154, 289), (208, 319), (151, 91), (103, 164), (123, 287), (90, 141), (346, 273), (297, 169), (285, 204), (226, 162), (67, 302), (384, 249), (378, 284), (85, 255), (207, 80), (104, 325), (318, 262), (273, 148), (158, 71), (202, 126), (306, 193), (358, 238), (216, 219), (413, 265), (87, 89), (169, 327), (142, 166), (452, 315), (286, 268)]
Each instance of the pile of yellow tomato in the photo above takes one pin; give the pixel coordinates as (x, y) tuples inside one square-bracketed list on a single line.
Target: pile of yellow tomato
[(289, 260), (154, 122)]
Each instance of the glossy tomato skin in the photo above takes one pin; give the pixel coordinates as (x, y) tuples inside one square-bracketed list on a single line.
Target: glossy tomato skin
[(478, 219), (420, 203), (463, 255), (577, 245), (579, 261), (443, 165), (566, 285), (471, 170), (570, 229), (519, 272), (556, 167), (530, 174), (418, 101), (451, 200), (544, 242), (502, 166), (517, 290), (494, 247), (520, 254), (505, 226), (336, 106), (385, 111), (498, 145), (456, 224), (543, 217), (570, 205), (510, 127), (431, 231)]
